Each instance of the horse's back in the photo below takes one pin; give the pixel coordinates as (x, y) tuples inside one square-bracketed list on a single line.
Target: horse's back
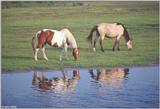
[(110, 29), (66, 31)]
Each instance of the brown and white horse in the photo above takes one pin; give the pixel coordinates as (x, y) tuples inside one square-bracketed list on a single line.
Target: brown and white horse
[(115, 30), (55, 39)]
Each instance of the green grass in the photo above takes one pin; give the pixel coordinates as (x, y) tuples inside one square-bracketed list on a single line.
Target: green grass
[(19, 24)]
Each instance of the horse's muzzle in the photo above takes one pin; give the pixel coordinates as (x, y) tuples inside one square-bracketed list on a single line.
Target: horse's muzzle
[(130, 49), (75, 58)]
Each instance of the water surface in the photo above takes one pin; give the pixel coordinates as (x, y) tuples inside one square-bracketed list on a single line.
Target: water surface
[(82, 88)]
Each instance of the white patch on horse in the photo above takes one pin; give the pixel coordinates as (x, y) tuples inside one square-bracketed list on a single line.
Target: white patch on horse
[(58, 38), (94, 49)]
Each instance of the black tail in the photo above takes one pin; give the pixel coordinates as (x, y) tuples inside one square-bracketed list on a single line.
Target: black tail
[(125, 33), (89, 38)]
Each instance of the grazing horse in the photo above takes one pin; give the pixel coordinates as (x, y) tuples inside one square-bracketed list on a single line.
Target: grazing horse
[(115, 30), (55, 39)]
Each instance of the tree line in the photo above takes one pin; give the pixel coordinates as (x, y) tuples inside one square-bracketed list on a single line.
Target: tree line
[(10, 4)]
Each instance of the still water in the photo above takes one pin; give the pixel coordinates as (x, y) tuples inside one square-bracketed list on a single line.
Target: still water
[(82, 88)]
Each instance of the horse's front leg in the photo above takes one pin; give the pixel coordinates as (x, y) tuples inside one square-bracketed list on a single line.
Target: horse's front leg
[(44, 54), (64, 53), (116, 45)]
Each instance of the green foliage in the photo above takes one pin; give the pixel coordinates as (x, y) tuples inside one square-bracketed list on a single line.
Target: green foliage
[(21, 20)]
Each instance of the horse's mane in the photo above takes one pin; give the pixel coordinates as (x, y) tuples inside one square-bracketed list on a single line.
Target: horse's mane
[(126, 34), (70, 37)]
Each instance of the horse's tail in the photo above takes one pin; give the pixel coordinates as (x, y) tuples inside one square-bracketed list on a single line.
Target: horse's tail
[(89, 38), (35, 41), (125, 33)]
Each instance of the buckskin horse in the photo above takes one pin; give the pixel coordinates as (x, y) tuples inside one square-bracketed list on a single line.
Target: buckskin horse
[(114, 30), (54, 38)]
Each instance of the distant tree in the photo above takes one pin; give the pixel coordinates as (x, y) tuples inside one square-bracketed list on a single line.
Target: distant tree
[(5, 4), (79, 3)]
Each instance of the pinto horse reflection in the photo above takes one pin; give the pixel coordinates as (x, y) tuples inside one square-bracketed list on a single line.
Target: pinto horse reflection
[(109, 76), (56, 83)]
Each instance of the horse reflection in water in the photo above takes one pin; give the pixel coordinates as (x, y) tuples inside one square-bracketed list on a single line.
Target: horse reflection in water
[(110, 77), (58, 84)]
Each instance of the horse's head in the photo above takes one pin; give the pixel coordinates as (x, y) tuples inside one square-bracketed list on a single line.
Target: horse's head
[(75, 53), (129, 45), (76, 74)]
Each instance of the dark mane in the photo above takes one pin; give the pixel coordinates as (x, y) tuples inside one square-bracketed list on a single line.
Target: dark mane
[(126, 34)]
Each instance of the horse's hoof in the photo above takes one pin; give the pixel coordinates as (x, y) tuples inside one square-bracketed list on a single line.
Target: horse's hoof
[(94, 49), (102, 50), (67, 59), (130, 49), (45, 58)]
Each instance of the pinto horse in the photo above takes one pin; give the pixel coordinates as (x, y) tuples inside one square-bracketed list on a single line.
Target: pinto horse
[(55, 39), (115, 30)]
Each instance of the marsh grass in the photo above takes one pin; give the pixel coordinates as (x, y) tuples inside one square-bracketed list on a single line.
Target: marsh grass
[(19, 24)]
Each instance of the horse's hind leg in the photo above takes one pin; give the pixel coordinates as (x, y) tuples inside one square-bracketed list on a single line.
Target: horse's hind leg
[(101, 44), (95, 40), (44, 54), (35, 54)]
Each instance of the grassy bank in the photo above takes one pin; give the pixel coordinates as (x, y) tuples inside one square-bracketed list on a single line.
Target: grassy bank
[(20, 23)]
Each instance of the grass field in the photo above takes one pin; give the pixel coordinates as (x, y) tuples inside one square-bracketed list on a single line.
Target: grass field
[(20, 23)]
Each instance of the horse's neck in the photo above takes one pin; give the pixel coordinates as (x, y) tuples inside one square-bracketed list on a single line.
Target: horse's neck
[(72, 42), (126, 35), (70, 38), (127, 38)]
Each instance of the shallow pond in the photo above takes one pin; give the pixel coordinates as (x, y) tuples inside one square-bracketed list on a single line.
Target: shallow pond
[(82, 88)]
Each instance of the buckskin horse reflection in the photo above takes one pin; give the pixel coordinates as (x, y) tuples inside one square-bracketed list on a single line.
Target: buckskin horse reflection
[(111, 77), (58, 84)]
